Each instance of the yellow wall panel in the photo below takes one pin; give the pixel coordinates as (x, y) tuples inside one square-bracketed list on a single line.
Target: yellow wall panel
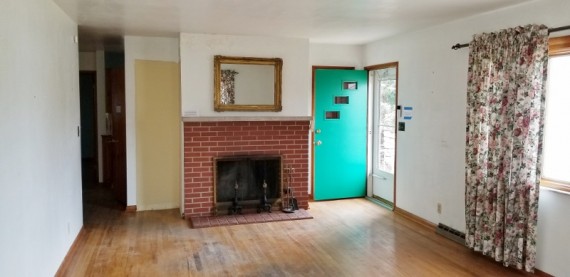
[(157, 93)]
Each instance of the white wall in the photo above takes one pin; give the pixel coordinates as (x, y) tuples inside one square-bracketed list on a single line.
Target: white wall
[(433, 80), (40, 164), (337, 55), (553, 230), (197, 53), (87, 61), (143, 48)]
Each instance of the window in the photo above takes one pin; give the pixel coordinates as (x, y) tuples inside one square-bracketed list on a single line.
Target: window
[(387, 123), (556, 151)]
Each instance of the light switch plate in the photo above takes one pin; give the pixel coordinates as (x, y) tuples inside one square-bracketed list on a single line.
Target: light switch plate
[(401, 126)]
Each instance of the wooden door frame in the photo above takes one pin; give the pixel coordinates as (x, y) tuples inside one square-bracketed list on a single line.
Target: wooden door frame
[(313, 71), (384, 66)]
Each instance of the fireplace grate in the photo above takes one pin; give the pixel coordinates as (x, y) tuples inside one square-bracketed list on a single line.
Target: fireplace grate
[(246, 182)]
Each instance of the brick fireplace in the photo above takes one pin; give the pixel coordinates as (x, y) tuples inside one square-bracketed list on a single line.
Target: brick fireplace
[(206, 140)]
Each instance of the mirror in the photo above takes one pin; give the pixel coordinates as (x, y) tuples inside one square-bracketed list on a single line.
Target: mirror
[(247, 84)]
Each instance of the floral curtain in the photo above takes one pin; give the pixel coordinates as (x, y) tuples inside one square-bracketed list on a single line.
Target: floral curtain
[(505, 108), (228, 86)]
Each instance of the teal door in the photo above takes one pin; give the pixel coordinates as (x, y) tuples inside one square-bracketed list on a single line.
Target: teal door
[(340, 133)]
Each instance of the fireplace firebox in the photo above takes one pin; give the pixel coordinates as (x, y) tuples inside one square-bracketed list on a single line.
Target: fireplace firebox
[(244, 183)]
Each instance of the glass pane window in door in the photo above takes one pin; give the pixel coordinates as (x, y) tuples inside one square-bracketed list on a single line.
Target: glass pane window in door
[(386, 122)]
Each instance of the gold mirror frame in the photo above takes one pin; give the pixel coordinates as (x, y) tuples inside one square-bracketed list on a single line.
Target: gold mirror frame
[(277, 63)]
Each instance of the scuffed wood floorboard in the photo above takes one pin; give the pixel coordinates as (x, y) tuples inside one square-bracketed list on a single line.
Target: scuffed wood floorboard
[(346, 238)]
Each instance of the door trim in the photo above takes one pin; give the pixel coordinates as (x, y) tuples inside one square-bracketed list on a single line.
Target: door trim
[(312, 133), (384, 66)]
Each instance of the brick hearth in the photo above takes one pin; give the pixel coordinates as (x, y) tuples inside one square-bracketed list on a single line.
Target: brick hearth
[(205, 140), (224, 220)]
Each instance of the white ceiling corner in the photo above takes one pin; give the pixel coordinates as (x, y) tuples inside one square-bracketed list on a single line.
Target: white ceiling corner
[(101, 22)]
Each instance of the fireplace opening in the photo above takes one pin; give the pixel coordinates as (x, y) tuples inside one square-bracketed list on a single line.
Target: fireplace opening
[(243, 184)]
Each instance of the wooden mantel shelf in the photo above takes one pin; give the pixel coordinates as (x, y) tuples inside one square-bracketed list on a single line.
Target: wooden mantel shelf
[(246, 118)]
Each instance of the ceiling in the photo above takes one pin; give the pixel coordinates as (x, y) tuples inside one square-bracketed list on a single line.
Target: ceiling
[(102, 23)]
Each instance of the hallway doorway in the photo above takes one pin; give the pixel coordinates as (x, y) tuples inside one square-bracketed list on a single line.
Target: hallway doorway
[(88, 129)]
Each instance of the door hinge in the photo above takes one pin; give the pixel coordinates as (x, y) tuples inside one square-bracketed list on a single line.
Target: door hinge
[(78, 131)]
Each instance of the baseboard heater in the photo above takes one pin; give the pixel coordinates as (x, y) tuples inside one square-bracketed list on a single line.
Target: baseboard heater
[(450, 233)]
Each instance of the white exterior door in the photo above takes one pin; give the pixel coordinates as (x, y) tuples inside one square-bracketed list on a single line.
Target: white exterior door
[(384, 83)]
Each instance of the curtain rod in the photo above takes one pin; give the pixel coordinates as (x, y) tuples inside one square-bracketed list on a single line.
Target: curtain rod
[(551, 30)]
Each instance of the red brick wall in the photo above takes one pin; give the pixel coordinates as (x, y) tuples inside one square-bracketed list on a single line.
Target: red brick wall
[(205, 140)]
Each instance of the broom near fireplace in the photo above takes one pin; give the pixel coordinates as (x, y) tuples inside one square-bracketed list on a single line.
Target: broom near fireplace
[(289, 201)]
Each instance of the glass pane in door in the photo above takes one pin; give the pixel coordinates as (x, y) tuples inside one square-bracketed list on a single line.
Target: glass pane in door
[(386, 123), (384, 84)]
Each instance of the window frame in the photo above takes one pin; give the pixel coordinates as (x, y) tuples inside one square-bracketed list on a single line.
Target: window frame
[(557, 46)]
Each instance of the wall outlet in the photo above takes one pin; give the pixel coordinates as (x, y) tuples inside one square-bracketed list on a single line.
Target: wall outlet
[(439, 208)]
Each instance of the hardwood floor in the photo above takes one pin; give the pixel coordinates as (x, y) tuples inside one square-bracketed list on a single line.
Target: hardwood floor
[(345, 238)]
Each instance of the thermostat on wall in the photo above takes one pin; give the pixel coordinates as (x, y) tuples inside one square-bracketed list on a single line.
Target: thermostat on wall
[(191, 113)]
